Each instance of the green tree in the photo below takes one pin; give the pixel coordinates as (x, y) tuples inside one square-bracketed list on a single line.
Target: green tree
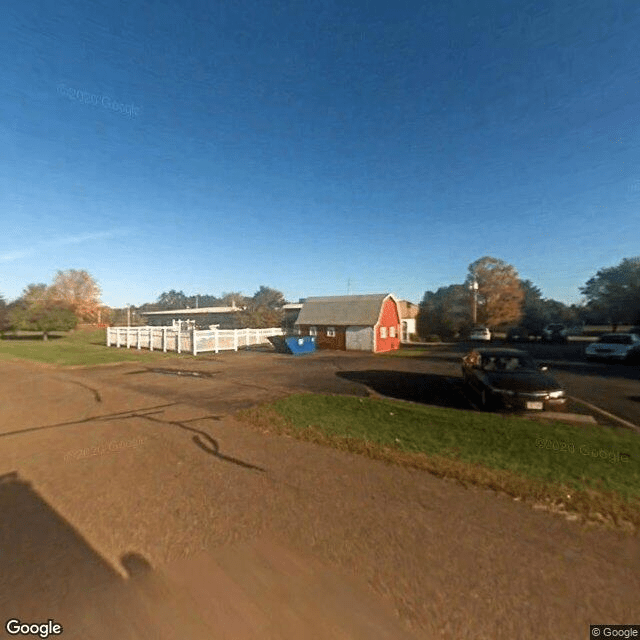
[(5, 323), (172, 300), (614, 292), (33, 293), (499, 291), (444, 312), (533, 312), (44, 316), (268, 297), (264, 309)]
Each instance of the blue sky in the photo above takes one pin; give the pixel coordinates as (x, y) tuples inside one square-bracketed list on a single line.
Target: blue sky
[(311, 146)]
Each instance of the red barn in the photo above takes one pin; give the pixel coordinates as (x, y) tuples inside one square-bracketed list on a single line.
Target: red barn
[(359, 323)]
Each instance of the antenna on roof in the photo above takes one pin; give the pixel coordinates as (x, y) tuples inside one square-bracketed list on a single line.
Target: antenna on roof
[(349, 286)]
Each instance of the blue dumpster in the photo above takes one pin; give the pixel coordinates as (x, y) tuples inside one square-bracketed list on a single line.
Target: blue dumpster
[(294, 345), (301, 344)]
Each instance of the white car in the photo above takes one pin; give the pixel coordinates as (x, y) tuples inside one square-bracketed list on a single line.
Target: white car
[(615, 346), (480, 333)]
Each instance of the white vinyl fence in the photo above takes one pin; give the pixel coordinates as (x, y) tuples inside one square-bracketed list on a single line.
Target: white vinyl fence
[(189, 341)]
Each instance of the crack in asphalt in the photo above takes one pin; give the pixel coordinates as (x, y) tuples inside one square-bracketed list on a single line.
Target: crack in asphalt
[(96, 393), (206, 442), (132, 413)]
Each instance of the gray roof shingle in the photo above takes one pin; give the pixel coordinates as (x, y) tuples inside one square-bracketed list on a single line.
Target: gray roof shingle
[(342, 310)]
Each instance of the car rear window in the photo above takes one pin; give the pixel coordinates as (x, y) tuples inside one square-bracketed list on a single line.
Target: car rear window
[(506, 363)]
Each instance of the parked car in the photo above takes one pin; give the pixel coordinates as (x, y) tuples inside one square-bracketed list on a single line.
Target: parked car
[(510, 379), (518, 334), (480, 333), (615, 346), (575, 330), (554, 333)]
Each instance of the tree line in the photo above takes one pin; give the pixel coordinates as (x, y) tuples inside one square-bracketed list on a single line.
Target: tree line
[(72, 297), (502, 299), (499, 296)]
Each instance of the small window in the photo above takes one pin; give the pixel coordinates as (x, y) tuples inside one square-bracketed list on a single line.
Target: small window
[(383, 332), (313, 331), (331, 332), (392, 332)]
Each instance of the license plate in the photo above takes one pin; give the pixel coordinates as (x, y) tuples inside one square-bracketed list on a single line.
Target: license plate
[(535, 405)]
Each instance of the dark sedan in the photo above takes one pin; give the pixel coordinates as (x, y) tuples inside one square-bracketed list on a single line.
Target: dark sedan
[(510, 379)]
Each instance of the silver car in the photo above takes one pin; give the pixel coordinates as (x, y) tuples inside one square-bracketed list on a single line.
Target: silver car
[(481, 334), (623, 347)]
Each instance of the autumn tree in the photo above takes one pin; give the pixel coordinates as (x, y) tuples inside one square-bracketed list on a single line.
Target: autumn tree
[(78, 291), (614, 292), (499, 291), (233, 299)]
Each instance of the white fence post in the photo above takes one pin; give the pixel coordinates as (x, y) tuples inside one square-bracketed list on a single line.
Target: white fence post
[(179, 338), (235, 339), (128, 338), (215, 341), (118, 337), (150, 339), (138, 334), (193, 337), (164, 339)]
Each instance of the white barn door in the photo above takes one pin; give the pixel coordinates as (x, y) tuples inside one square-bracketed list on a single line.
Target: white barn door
[(359, 339)]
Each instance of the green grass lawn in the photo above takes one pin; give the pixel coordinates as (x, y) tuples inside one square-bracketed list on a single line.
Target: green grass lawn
[(524, 458), (75, 348)]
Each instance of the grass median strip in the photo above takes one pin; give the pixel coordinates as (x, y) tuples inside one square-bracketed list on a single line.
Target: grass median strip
[(76, 348), (590, 470)]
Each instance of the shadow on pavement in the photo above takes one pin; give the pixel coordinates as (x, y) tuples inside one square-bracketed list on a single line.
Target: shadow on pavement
[(50, 575), (425, 388), (49, 572)]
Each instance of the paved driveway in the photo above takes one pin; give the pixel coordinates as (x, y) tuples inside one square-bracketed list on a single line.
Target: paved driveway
[(108, 469)]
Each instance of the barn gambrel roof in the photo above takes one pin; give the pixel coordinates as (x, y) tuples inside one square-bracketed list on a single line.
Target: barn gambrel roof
[(343, 310)]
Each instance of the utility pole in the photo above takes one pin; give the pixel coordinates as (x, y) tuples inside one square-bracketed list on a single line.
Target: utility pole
[(128, 315), (474, 288), (349, 286)]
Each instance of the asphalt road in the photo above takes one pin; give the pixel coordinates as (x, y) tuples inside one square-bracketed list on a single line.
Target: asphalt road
[(613, 387), (109, 472)]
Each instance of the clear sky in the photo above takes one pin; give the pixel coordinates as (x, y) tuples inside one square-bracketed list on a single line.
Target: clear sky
[(218, 145)]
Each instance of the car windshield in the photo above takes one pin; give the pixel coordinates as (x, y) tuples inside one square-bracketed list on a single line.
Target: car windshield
[(614, 338), (507, 363)]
